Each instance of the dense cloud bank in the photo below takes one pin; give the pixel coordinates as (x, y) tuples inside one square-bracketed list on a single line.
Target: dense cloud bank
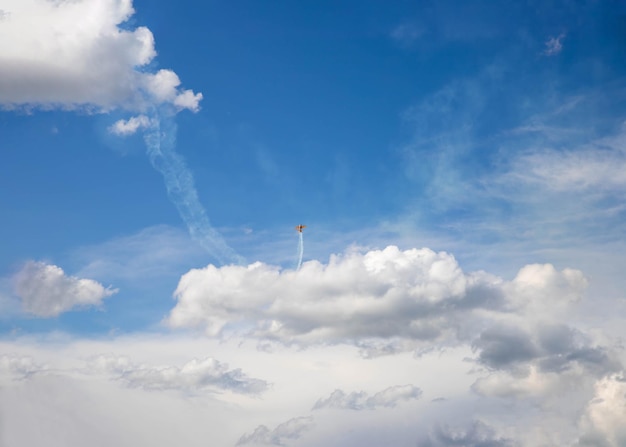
[(526, 347), (384, 300)]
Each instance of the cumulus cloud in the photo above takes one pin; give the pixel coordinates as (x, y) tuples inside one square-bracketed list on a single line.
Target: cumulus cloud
[(195, 375), (130, 126), (293, 429), (82, 54), (387, 398), (46, 291), (603, 421), (354, 295), (380, 300)]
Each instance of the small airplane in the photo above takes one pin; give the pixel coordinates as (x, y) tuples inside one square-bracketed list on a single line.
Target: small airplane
[(299, 228)]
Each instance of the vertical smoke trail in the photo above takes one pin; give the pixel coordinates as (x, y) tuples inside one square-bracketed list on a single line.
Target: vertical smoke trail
[(300, 250), (160, 140)]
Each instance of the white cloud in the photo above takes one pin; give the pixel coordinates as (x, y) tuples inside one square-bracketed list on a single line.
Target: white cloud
[(396, 297), (355, 294), (603, 421), (46, 291), (554, 45), (293, 429), (195, 375), (163, 86), (539, 287), (388, 398), (131, 125), (75, 54)]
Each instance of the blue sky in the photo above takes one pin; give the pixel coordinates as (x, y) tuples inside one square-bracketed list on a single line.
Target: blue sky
[(156, 156)]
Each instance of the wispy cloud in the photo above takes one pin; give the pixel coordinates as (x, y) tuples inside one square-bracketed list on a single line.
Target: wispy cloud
[(161, 141), (408, 33), (599, 167), (194, 376), (554, 45), (55, 62), (154, 252), (293, 429), (387, 398)]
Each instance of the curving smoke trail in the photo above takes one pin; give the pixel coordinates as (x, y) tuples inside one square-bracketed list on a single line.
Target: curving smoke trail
[(160, 140), (300, 250)]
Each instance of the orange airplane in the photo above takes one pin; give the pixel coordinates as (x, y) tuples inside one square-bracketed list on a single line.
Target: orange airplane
[(299, 228)]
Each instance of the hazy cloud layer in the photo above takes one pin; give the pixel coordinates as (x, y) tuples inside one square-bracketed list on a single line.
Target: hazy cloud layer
[(19, 367), (62, 383), (76, 54), (46, 291), (478, 434)]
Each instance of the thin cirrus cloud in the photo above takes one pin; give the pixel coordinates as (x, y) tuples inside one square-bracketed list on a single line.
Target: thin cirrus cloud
[(46, 291), (76, 55), (595, 170)]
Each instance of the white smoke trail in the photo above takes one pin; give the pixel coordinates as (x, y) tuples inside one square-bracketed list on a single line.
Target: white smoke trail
[(300, 250), (160, 140)]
